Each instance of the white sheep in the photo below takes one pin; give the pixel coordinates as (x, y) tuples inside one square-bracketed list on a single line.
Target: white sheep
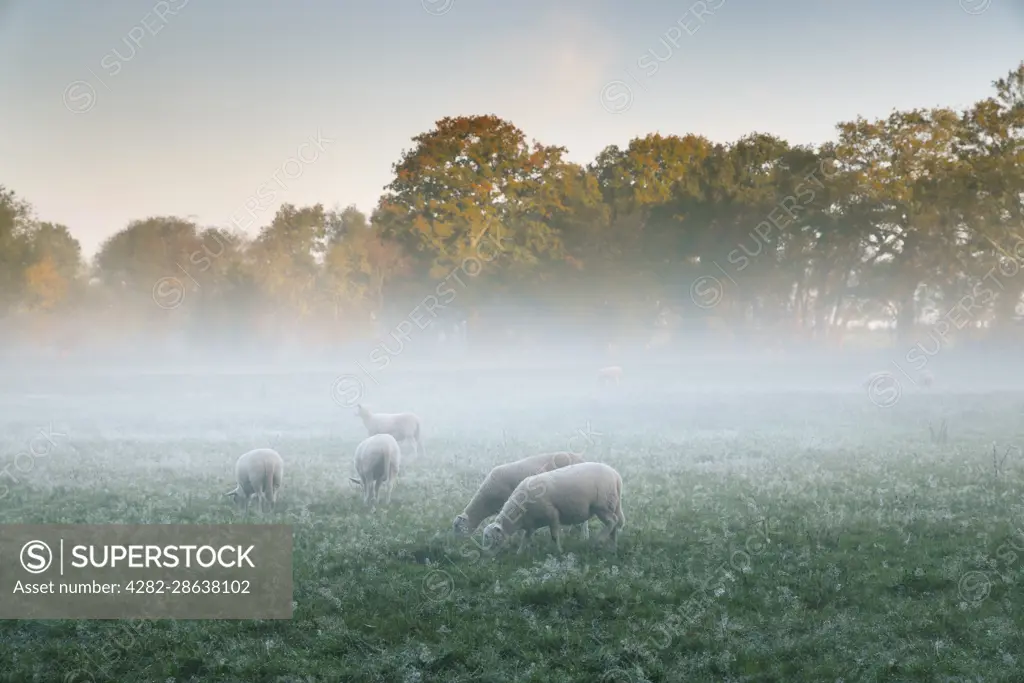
[(612, 373), (566, 496), (501, 481), (402, 426), (260, 472), (378, 459)]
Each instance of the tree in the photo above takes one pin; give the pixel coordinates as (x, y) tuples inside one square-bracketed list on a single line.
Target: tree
[(147, 250), (46, 287), (56, 266), (359, 264), (471, 179), (283, 258), (900, 164), (15, 215), (992, 173)]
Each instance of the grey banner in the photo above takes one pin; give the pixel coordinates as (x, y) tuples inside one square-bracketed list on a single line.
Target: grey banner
[(145, 571)]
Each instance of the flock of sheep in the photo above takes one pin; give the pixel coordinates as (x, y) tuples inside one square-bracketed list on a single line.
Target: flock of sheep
[(547, 490)]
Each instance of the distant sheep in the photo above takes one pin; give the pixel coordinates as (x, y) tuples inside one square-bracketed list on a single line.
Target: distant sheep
[(610, 374), (502, 481), (565, 496), (402, 426), (378, 459), (259, 472)]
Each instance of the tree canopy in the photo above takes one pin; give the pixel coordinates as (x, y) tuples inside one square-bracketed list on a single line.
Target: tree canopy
[(899, 220)]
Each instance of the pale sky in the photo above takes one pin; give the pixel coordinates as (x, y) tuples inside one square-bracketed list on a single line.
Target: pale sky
[(212, 98)]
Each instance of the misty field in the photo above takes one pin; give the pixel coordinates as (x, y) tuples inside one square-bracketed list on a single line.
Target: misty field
[(793, 535)]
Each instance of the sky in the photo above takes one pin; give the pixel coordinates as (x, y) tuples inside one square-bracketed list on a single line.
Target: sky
[(115, 111)]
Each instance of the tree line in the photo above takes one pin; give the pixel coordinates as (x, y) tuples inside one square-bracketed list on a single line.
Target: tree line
[(915, 219)]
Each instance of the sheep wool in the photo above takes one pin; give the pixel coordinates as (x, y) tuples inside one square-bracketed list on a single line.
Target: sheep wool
[(565, 496), (502, 481), (402, 426), (259, 472), (378, 459)]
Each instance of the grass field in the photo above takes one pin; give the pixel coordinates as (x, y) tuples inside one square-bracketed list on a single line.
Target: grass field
[(797, 536)]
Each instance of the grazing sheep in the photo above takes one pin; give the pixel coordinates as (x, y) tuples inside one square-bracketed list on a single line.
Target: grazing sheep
[(568, 495), (259, 472), (612, 373), (502, 481), (378, 459), (402, 426)]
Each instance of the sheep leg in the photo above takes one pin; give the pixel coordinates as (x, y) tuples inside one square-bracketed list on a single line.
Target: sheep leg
[(556, 535), (620, 522), (613, 521), (418, 438), (613, 536), (610, 521), (387, 491), (522, 543)]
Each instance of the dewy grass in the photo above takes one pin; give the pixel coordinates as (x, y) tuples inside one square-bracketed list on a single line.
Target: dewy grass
[(843, 547)]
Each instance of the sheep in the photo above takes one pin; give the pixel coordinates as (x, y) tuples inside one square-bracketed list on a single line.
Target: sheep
[(260, 472), (378, 459), (568, 495), (501, 481), (402, 426), (612, 373)]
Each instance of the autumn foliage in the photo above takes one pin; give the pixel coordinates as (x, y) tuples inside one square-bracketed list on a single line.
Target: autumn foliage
[(898, 220)]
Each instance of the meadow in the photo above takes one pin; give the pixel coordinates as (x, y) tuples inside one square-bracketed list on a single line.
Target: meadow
[(772, 533)]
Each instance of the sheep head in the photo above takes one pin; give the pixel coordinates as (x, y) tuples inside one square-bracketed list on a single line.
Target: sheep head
[(494, 536), (461, 525)]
